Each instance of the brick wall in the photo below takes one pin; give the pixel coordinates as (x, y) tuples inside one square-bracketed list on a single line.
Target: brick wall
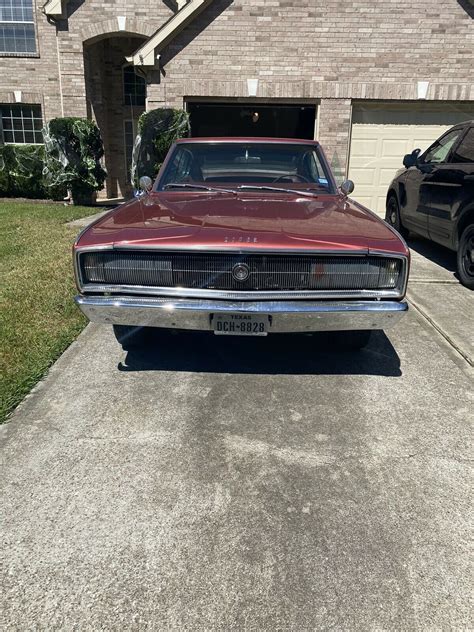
[(58, 69), (329, 48), (104, 60), (327, 51)]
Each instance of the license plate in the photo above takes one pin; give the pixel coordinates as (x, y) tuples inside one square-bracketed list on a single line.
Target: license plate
[(240, 324)]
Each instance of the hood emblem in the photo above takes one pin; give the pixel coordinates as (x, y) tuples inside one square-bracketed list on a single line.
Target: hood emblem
[(241, 272), (240, 240)]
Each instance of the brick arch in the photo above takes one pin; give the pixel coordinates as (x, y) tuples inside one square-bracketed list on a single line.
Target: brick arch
[(113, 27)]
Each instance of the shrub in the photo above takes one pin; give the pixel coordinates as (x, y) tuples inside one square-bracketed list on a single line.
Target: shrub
[(70, 159), (27, 173), (5, 186), (21, 172), (73, 150), (157, 131)]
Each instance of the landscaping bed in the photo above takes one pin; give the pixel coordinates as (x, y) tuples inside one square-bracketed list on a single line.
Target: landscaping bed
[(38, 318)]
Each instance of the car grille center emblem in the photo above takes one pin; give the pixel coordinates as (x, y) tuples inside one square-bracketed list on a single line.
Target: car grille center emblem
[(241, 272)]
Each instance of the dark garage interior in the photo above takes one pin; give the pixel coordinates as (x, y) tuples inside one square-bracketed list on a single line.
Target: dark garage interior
[(252, 119)]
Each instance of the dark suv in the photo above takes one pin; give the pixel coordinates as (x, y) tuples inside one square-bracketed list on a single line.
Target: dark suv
[(434, 196)]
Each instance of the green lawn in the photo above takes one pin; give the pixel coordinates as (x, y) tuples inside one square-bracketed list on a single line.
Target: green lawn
[(38, 318)]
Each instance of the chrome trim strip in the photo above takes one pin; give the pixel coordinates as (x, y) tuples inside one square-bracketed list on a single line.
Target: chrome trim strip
[(233, 248), (235, 295), (285, 316)]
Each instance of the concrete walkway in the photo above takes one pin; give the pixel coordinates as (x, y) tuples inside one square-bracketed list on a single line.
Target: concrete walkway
[(225, 484), (82, 222)]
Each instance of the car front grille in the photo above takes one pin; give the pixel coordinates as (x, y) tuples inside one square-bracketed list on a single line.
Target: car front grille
[(240, 272)]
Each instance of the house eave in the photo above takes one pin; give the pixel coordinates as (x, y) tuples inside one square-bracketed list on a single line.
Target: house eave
[(54, 8), (146, 55)]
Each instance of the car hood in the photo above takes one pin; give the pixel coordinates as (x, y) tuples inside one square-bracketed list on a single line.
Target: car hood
[(249, 220)]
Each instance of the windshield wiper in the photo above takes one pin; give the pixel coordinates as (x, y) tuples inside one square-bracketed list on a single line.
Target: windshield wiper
[(278, 189), (242, 187), (190, 185)]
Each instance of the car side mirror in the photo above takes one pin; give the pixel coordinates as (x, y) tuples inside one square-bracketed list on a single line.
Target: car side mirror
[(145, 184), (411, 160), (347, 187)]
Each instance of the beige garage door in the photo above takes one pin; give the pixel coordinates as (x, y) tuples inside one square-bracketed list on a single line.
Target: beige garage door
[(382, 134)]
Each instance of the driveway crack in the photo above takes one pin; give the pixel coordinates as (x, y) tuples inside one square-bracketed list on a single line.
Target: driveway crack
[(448, 339)]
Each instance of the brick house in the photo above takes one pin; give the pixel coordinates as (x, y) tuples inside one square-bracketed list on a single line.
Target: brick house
[(371, 79)]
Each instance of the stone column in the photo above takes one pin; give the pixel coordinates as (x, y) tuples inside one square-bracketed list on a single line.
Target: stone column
[(156, 96), (334, 133)]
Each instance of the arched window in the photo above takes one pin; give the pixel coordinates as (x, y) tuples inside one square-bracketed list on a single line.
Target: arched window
[(134, 87)]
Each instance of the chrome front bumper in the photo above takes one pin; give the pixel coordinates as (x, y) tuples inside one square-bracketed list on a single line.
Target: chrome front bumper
[(285, 316)]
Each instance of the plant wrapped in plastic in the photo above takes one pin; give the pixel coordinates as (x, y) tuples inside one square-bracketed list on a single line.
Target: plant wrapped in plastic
[(5, 182), (21, 172), (73, 150), (157, 131)]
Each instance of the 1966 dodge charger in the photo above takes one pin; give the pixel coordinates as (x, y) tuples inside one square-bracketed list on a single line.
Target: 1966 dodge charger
[(243, 236)]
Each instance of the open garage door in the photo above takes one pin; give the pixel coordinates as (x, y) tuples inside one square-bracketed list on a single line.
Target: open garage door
[(383, 133), (252, 119)]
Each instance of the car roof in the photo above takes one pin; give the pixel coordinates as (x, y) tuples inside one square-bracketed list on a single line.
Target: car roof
[(464, 124), (246, 139)]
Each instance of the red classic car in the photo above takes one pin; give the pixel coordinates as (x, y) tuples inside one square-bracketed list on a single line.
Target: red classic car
[(242, 236)]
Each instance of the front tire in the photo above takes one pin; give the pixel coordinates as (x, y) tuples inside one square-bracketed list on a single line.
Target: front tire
[(465, 257), (393, 217), (130, 337)]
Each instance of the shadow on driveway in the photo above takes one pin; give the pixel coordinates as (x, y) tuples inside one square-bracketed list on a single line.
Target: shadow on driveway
[(280, 354), (439, 255)]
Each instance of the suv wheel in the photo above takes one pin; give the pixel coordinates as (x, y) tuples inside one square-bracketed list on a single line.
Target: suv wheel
[(465, 258), (392, 216)]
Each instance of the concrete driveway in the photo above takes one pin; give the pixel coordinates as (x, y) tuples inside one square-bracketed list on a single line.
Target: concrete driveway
[(272, 484)]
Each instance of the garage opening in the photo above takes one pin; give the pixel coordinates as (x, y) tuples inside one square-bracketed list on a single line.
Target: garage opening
[(252, 119)]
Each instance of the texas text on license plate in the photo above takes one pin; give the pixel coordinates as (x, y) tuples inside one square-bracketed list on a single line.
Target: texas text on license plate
[(240, 324)]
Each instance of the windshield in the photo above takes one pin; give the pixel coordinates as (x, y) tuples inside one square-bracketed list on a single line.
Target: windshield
[(281, 166)]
